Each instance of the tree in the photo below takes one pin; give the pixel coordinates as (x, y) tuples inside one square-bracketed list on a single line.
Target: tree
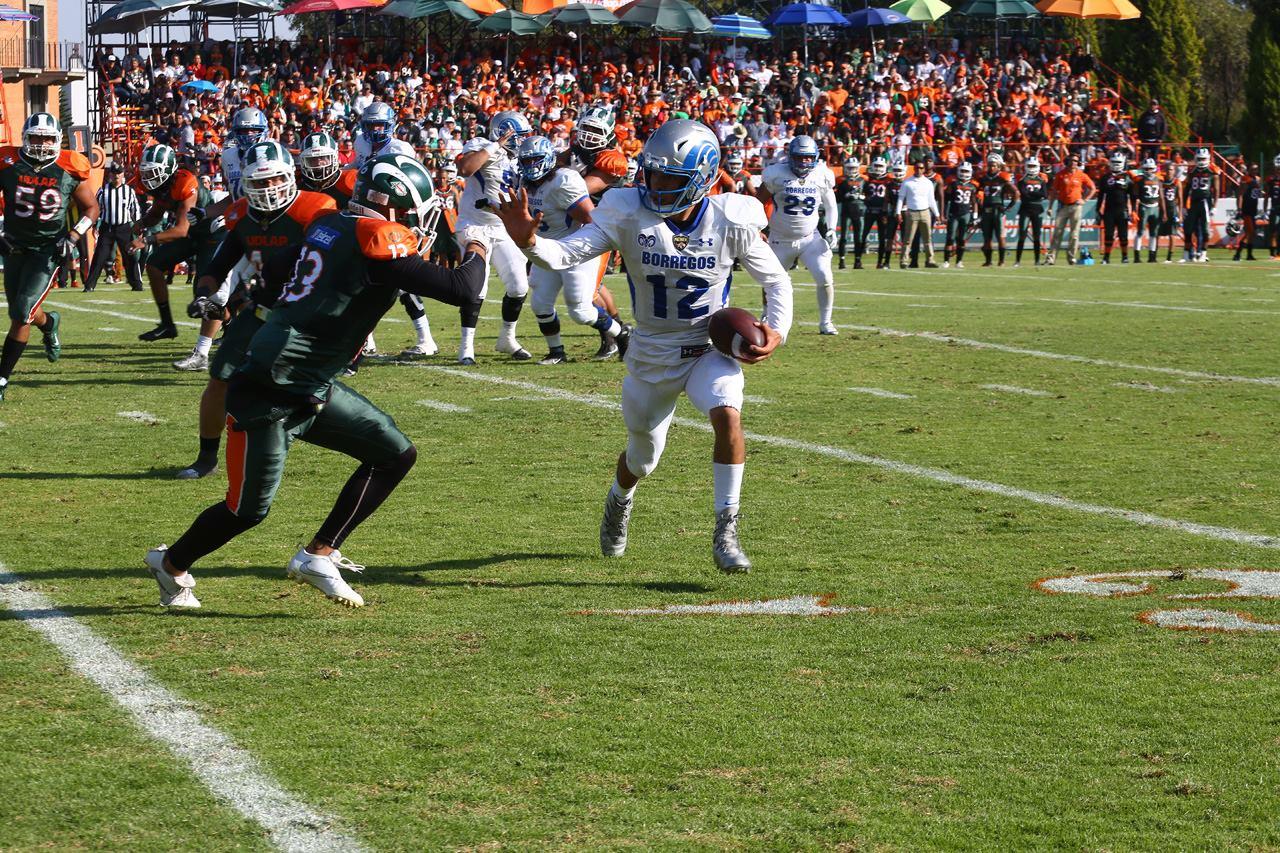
[(1261, 123), (1223, 25), (1159, 53)]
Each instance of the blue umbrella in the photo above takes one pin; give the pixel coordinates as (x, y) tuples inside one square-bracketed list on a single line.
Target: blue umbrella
[(877, 18), (8, 14), (739, 27), (203, 87), (805, 15)]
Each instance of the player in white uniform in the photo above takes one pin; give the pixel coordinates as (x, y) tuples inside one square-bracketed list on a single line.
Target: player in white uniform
[(800, 188), (377, 137), (248, 128), (679, 247), (490, 169), (561, 197)]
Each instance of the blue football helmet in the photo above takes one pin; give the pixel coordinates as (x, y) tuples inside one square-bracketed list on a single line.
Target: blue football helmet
[(248, 128), (537, 157), (802, 155), (512, 125), (683, 148), (378, 123)]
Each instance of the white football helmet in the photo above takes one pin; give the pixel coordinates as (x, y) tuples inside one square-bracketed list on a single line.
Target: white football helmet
[(1276, 161), (1149, 168), (1116, 162), (965, 171), (158, 164), (1202, 158), (734, 162), (318, 158), (878, 168), (1032, 168), (41, 138), (268, 180), (852, 167), (899, 171), (995, 162)]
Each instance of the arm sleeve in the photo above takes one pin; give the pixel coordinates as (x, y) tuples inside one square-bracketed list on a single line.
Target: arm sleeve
[(226, 256), (829, 209), (420, 277), (589, 241), (763, 265)]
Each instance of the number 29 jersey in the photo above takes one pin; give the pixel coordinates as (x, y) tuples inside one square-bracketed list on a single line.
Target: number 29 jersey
[(498, 175), (796, 201), (36, 199), (678, 276)]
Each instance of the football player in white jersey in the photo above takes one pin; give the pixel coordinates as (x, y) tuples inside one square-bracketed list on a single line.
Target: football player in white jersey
[(560, 196), (248, 128), (800, 188), (489, 167), (679, 246), (377, 137)]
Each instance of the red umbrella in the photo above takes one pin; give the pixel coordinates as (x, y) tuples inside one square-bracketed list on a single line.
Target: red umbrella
[(302, 7)]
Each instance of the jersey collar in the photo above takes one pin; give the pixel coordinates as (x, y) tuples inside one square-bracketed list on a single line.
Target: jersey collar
[(693, 223)]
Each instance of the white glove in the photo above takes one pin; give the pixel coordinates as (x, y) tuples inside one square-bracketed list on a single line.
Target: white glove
[(476, 234), (833, 239)]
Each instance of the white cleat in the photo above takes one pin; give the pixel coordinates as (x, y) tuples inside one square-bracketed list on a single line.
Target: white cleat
[(174, 591), (512, 347), (828, 328), (322, 573), (946, 265), (725, 547), (613, 526), (195, 361), (419, 351), (959, 265)]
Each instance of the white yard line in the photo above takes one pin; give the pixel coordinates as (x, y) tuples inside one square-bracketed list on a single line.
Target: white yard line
[(1272, 381), (938, 475), (1017, 389), (109, 329), (141, 417), (232, 774), (443, 407), (63, 306), (880, 392), (1143, 306), (752, 398)]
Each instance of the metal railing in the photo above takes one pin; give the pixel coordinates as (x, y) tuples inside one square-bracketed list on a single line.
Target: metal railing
[(44, 55)]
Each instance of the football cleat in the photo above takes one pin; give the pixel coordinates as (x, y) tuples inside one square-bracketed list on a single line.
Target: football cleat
[(946, 265), (556, 356), (608, 348), (512, 347), (194, 361), (174, 591), (198, 470), (419, 351), (623, 340), (160, 333), (959, 265), (322, 573), (52, 343), (4, 386), (828, 329), (613, 526), (725, 546), (466, 361)]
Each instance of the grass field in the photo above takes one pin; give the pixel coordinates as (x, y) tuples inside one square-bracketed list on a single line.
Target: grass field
[(474, 704)]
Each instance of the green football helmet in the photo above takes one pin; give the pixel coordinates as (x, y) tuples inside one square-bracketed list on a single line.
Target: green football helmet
[(268, 179), (158, 164), (41, 138), (595, 130), (397, 188), (318, 159)]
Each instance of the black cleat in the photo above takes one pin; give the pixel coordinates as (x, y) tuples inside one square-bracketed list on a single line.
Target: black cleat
[(160, 333), (623, 339), (199, 469), (555, 356), (608, 348)]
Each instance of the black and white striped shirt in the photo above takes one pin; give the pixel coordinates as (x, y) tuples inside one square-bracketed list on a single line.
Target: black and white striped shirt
[(119, 206)]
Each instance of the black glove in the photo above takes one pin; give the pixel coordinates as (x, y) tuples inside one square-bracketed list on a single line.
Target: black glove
[(204, 308)]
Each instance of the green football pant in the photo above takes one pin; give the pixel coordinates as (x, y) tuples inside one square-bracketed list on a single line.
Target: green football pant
[(28, 278), (261, 428), (236, 336)]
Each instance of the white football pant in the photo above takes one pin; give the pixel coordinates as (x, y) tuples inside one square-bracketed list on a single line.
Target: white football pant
[(815, 254)]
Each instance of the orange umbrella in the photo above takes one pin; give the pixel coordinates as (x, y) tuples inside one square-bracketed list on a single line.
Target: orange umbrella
[(1112, 10), (485, 7), (541, 7)]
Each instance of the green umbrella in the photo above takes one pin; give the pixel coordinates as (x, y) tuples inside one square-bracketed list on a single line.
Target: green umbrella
[(664, 16), (134, 16), (419, 9), (922, 11), (583, 14), (999, 9), (511, 23)]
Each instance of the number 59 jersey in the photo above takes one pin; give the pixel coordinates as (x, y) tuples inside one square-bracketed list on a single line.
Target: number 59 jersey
[(679, 276), (796, 201), (498, 175), (36, 199)]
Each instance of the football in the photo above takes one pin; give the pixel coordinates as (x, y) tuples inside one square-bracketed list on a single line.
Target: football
[(733, 329)]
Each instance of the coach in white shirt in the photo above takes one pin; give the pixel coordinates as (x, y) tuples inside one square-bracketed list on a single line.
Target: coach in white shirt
[(919, 198)]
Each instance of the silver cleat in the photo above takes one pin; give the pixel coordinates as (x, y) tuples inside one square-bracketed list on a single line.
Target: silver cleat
[(725, 546), (194, 361), (613, 527)]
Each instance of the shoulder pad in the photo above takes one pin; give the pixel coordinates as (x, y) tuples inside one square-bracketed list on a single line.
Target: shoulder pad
[(612, 162), (347, 181), (572, 181), (743, 211), (74, 164), (309, 206), (236, 212), (383, 241), (185, 185)]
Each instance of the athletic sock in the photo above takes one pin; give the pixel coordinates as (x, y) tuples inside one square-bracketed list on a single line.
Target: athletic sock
[(166, 316), (209, 449), (9, 358), (619, 492), (826, 296), (606, 325), (422, 328), (467, 347), (204, 344), (212, 529), (363, 493), (728, 484)]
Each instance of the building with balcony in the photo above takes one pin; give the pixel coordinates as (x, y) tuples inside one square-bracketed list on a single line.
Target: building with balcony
[(34, 64)]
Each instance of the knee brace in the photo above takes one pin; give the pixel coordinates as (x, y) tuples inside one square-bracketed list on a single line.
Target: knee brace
[(511, 306), (548, 324)]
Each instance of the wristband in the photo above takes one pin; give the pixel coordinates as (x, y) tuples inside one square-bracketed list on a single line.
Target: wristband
[(82, 227)]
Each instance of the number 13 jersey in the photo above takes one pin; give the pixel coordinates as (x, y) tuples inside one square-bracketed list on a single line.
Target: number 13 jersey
[(796, 201), (679, 276)]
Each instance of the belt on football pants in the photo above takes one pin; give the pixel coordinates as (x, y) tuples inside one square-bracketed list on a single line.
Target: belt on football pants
[(696, 351)]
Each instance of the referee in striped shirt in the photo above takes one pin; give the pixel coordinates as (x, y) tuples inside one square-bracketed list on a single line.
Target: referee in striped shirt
[(120, 209)]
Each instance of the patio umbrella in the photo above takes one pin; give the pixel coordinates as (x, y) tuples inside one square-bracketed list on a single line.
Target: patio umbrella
[(736, 27), (10, 14), (805, 15), (239, 8), (997, 9), (581, 15), (921, 11), (511, 23), (203, 87), (134, 16), (304, 7), (1111, 10), (417, 10), (873, 17), (664, 16), (485, 7)]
